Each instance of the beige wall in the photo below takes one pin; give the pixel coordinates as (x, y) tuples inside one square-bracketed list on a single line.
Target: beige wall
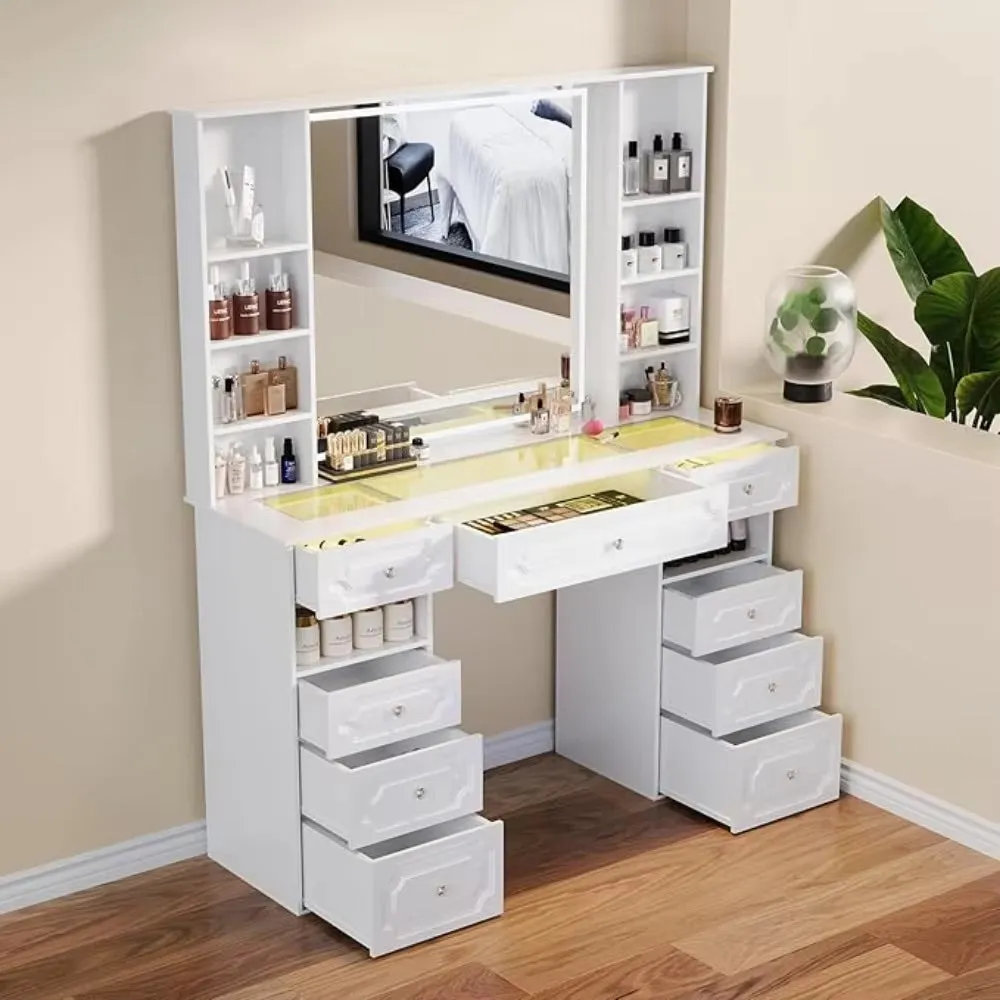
[(99, 723), (899, 525)]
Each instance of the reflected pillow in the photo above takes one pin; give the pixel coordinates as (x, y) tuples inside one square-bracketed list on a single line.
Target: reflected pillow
[(548, 109)]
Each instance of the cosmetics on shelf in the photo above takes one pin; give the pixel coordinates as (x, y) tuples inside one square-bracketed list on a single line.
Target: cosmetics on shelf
[(630, 257), (278, 299), (361, 632), (674, 250), (661, 391), (662, 171), (307, 638), (630, 169), (650, 253), (237, 310), (673, 318), (289, 466), (664, 321), (657, 173), (681, 162), (220, 309), (359, 444), (260, 391), (245, 213), (246, 304)]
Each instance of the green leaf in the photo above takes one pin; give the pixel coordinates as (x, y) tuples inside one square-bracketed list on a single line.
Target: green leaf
[(815, 346), (788, 317), (810, 310), (921, 249), (826, 321), (918, 384), (817, 295), (941, 365), (963, 312), (979, 391), (890, 394)]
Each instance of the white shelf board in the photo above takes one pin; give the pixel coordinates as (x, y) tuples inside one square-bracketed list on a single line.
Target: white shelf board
[(674, 574), (649, 353), (251, 424), (267, 337), (328, 663), (640, 200), (218, 255), (647, 279)]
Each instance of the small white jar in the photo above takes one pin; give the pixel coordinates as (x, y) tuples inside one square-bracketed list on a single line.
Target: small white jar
[(306, 638), (368, 628), (335, 636), (397, 621)]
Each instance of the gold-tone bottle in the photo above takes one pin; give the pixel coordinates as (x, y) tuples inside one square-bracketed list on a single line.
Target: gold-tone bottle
[(288, 376), (254, 384)]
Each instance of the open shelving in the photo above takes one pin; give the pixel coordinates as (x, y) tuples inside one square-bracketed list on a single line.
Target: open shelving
[(267, 337)]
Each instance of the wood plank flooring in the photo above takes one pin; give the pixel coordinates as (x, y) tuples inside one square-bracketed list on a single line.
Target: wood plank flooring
[(608, 897)]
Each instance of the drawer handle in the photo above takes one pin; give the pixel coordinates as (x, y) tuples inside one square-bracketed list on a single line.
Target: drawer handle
[(390, 572), (752, 614), (772, 687), (618, 543), (397, 710), (442, 889), (419, 793), (748, 489), (792, 774)]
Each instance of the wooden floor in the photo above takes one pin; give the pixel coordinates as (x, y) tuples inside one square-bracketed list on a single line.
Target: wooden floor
[(608, 896)]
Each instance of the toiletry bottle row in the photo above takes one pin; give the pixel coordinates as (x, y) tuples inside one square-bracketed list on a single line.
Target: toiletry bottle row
[(239, 312), (255, 393), (652, 257), (667, 320), (660, 171), (235, 473), (738, 541), (336, 638)]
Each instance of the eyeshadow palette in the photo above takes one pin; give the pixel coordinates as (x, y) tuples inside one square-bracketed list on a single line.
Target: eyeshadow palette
[(551, 513)]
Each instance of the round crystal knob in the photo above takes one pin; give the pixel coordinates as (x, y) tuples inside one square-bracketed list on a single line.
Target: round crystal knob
[(397, 710), (792, 774), (748, 488), (752, 614), (442, 889), (618, 543), (390, 572), (772, 687), (419, 793)]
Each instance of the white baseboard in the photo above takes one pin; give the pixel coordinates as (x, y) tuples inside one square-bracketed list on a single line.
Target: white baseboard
[(143, 854), (918, 807), (519, 744)]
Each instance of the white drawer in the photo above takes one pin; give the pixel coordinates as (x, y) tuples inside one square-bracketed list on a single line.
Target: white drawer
[(358, 708), (675, 519), (402, 891), (732, 606), (390, 566), (395, 789), (756, 776), (738, 688)]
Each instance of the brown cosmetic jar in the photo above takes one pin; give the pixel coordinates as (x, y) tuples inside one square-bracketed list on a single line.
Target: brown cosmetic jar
[(278, 309), (246, 314), (728, 414), (220, 319)]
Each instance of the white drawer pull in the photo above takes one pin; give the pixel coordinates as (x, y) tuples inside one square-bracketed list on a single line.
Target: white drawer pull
[(752, 614), (442, 889), (748, 489), (419, 793), (618, 544), (398, 710), (390, 572), (792, 774), (772, 687)]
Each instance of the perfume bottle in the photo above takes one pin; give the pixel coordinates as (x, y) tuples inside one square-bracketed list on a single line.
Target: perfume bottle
[(657, 171), (254, 384), (288, 376), (680, 165), (675, 250), (228, 414), (630, 258), (630, 169), (540, 418), (519, 405), (289, 472)]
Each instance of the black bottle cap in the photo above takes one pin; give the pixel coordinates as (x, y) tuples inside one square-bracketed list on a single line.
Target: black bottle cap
[(520, 397), (672, 235), (640, 395), (541, 404), (633, 148), (419, 442), (647, 239), (289, 448), (657, 143), (627, 243), (228, 383), (678, 141)]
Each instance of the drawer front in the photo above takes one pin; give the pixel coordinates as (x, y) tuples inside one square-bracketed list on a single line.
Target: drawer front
[(393, 709), (791, 771), (769, 482), (598, 545), (365, 805), (747, 612), (438, 887), (337, 581)]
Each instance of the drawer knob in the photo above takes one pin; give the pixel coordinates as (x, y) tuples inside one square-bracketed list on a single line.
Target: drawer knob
[(390, 572), (419, 793), (442, 889), (792, 774), (397, 710), (772, 687), (618, 543), (752, 614), (748, 489)]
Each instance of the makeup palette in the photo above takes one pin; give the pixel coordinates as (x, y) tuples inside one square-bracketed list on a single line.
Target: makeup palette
[(551, 513)]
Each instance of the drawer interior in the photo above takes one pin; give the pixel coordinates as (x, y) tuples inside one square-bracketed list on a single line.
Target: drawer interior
[(393, 750), (724, 579), (754, 648), (420, 837), (332, 543), (645, 485), (773, 728), (374, 670)]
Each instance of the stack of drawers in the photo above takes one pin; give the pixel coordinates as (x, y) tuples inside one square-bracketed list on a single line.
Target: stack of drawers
[(741, 739), (393, 852)]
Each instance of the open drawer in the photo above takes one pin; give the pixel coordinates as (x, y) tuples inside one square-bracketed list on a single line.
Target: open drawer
[(389, 564), (395, 789), (671, 519), (760, 477), (384, 701), (409, 889)]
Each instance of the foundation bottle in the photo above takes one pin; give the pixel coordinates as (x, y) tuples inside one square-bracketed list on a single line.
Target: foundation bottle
[(246, 305), (278, 300), (306, 638), (220, 313), (254, 384), (275, 399), (288, 376)]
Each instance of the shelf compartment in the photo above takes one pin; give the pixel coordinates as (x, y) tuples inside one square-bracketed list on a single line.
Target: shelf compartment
[(272, 248), (642, 200), (660, 276), (267, 337), (328, 663), (650, 353), (689, 571), (251, 424)]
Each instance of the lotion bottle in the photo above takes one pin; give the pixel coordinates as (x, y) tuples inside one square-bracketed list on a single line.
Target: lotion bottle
[(629, 257), (237, 470), (220, 475), (650, 254), (657, 168), (289, 473), (680, 165), (270, 464), (256, 470)]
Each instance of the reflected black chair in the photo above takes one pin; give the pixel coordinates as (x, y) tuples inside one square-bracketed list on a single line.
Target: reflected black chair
[(407, 168)]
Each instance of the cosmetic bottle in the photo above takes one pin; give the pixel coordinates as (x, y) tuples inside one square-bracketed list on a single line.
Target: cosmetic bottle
[(238, 412), (254, 384), (275, 399), (728, 414), (336, 637), (540, 418), (738, 534), (675, 251), (397, 621), (519, 406), (648, 328), (680, 165), (367, 628), (630, 258), (270, 464), (228, 411), (278, 300), (257, 225), (657, 168), (246, 304), (220, 475), (626, 329), (630, 170), (289, 472), (562, 410), (673, 314), (624, 404), (237, 471), (216, 399), (256, 470), (650, 253), (640, 402), (306, 638), (220, 313), (419, 449), (288, 376), (663, 388)]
